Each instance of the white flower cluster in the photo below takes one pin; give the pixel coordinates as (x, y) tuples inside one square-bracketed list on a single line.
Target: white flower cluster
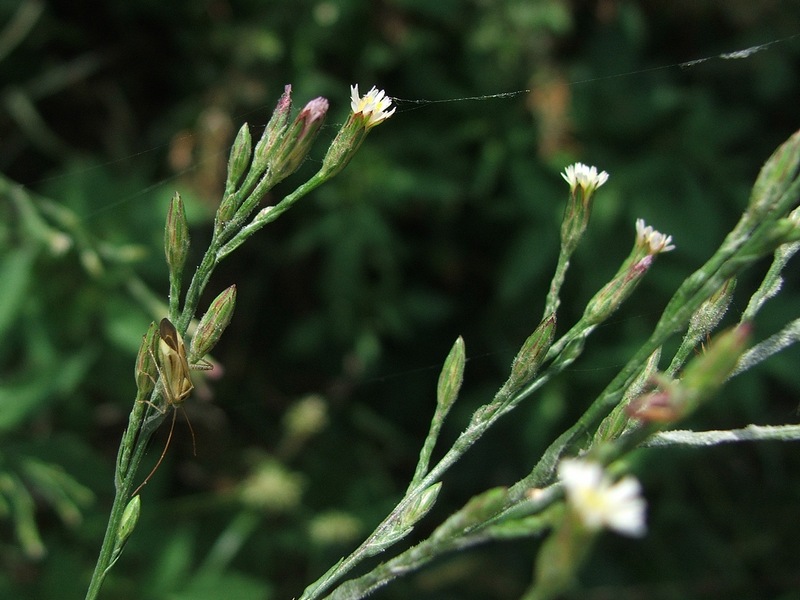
[(374, 104), (584, 176), (654, 241), (599, 502)]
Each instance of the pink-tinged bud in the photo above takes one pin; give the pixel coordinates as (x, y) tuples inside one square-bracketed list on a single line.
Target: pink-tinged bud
[(649, 243), (297, 139), (274, 131), (701, 379), (660, 406)]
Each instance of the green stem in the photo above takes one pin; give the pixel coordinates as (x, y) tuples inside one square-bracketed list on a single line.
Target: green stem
[(553, 300), (124, 485), (269, 214)]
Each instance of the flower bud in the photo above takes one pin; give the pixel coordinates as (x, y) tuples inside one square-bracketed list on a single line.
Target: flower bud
[(701, 379), (777, 175), (710, 313), (212, 324), (226, 211), (130, 516), (451, 377), (274, 130), (705, 374), (420, 507), (297, 139), (532, 354), (239, 159), (176, 236), (146, 370), (616, 291)]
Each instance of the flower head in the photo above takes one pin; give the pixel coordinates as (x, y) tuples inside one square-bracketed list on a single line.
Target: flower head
[(600, 503), (651, 240), (374, 105), (585, 177)]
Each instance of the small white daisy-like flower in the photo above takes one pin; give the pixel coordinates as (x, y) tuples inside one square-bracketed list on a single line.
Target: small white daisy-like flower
[(584, 176), (654, 241), (374, 104), (599, 502)]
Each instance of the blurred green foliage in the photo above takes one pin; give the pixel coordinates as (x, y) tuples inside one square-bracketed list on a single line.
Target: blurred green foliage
[(446, 224)]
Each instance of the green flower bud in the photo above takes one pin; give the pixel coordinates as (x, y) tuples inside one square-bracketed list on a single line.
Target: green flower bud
[(239, 158), (130, 516), (532, 354), (776, 177), (419, 507), (452, 375), (213, 324), (708, 371), (226, 211), (176, 236)]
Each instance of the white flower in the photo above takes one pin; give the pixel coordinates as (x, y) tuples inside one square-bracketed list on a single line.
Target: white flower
[(653, 241), (374, 104), (599, 502), (584, 176)]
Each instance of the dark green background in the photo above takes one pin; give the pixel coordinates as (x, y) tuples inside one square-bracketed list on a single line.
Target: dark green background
[(444, 224)]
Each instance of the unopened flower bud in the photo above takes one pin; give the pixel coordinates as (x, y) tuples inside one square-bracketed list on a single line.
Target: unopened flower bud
[(274, 131), (705, 374), (419, 507), (776, 176), (532, 354), (213, 324), (616, 291), (146, 370), (710, 313), (239, 159), (452, 375), (130, 516), (297, 139), (226, 211), (176, 236), (702, 378)]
